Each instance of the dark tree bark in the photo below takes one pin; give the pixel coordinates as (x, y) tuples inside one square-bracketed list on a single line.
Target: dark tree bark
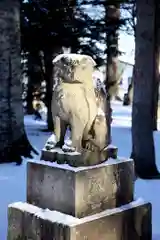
[(29, 98), (112, 19), (35, 77), (30, 86), (155, 100), (13, 139), (49, 54), (143, 151), (157, 58)]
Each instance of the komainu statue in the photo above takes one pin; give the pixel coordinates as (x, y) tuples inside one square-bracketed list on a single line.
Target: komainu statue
[(77, 104)]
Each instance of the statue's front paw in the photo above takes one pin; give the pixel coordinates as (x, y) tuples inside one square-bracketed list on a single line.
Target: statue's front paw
[(49, 145), (68, 148)]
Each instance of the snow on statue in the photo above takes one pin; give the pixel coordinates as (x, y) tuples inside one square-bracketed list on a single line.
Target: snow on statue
[(79, 104)]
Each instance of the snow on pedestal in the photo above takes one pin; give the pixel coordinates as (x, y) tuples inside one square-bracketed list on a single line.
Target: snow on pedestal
[(80, 191), (130, 222), (94, 202), (66, 154)]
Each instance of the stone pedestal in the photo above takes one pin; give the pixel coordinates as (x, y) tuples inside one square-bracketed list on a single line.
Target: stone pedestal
[(130, 222), (78, 203), (75, 159), (80, 191)]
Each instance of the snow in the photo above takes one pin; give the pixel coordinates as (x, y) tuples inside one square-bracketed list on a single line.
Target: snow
[(110, 161), (13, 178), (58, 217), (100, 112), (52, 216), (73, 56), (135, 203)]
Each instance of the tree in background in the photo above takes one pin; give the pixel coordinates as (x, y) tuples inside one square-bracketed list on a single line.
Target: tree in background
[(143, 151), (108, 23), (156, 76), (13, 140), (129, 14), (35, 78), (48, 26), (113, 22)]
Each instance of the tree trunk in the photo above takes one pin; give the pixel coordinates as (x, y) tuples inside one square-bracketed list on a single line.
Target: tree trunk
[(49, 85), (155, 103), (29, 98), (157, 61), (112, 18), (13, 139), (49, 54), (35, 77), (143, 151), (30, 86)]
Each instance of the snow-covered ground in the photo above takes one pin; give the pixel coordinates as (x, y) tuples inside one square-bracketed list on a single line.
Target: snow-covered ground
[(13, 178)]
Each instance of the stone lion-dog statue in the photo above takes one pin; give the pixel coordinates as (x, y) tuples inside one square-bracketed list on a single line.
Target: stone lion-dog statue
[(75, 103)]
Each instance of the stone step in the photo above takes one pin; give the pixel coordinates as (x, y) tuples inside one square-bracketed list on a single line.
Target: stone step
[(80, 191), (129, 222)]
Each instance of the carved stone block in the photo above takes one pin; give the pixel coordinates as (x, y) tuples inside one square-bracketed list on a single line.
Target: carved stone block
[(80, 191), (28, 222), (130, 222), (75, 159)]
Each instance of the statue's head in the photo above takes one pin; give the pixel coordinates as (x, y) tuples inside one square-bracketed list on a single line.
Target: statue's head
[(73, 67)]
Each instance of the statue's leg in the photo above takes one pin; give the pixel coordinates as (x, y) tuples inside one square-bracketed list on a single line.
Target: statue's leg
[(60, 130), (57, 129), (88, 141), (101, 132), (96, 139), (77, 129)]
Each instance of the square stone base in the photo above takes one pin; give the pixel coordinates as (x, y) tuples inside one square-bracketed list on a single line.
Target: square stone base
[(130, 222), (75, 159), (80, 191)]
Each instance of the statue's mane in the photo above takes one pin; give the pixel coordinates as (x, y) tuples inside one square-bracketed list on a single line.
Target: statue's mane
[(72, 58)]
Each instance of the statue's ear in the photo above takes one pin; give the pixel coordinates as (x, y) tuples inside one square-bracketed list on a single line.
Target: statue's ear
[(63, 60), (87, 60)]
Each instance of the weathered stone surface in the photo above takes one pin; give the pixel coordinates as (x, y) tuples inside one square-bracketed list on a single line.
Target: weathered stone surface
[(80, 191), (15, 219), (86, 158), (112, 151), (48, 155), (130, 222), (28, 222)]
